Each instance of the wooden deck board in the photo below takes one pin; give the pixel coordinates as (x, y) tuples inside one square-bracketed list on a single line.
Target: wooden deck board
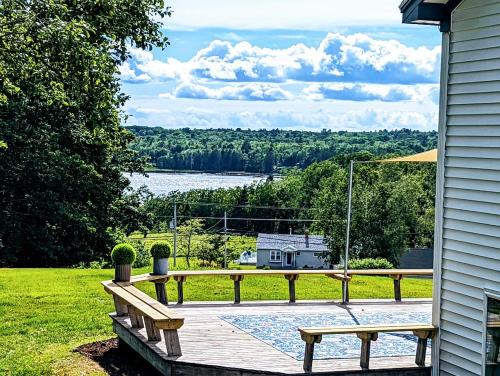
[(208, 340)]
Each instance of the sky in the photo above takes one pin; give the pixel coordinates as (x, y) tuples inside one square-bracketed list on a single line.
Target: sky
[(288, 64)]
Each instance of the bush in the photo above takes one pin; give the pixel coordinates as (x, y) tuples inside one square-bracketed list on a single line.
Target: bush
[(370, 263), (123, 254), (160, 249), (143, 256)]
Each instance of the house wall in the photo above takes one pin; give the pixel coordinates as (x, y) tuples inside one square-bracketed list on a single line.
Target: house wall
[(417, 258), (263, 259), (304, 259), (468, 248), (308, 259)]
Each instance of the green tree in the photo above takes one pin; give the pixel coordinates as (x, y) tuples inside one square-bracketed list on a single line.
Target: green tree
[(211, 249), (187, 231), (61, 182), (267, 150), (392, 209)]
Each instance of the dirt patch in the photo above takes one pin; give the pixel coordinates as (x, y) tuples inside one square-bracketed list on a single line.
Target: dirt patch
[(117, 359)]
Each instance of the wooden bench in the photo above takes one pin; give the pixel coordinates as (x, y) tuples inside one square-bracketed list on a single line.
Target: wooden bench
[(238, 275), (396, 274), (367, 334), (145, 311), (235, 275), (292, 276)]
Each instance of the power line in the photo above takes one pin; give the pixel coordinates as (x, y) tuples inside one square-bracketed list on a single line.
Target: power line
[(253, 219), (243, 206)]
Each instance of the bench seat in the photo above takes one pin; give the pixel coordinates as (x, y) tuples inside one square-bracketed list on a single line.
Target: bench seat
[(366, 333), (145, 311)]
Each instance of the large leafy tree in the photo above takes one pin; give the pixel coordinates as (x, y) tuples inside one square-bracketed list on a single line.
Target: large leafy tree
[(392, 209), (64, 150)]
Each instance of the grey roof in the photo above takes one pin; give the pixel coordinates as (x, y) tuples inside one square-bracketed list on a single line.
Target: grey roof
[(281, 241)]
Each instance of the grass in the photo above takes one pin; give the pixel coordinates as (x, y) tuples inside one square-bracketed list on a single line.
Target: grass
[(238, 243), (47, 313)]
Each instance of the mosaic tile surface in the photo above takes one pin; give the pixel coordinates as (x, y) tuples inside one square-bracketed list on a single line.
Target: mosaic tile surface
[(280, 331)]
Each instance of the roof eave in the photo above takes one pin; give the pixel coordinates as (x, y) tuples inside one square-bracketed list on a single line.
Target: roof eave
[(423, 13)]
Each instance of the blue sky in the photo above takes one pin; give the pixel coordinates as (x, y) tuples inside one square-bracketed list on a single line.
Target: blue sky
[(290, 64)]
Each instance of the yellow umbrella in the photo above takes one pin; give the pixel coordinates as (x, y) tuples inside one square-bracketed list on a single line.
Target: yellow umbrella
[(426, 156)]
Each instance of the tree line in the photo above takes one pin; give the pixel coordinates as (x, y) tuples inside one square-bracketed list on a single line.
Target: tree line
[(263, 151)]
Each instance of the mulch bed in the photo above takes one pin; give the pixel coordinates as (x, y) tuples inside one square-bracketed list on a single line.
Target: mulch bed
[(117, 360)]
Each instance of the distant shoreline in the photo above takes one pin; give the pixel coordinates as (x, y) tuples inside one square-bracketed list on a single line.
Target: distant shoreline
[(227, 173)]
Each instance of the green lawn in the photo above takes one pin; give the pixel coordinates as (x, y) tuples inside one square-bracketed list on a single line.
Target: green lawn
[(46, 313)]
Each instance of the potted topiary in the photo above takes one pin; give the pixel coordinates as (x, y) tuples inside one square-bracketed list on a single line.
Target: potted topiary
[(161, 252), (123, 255)]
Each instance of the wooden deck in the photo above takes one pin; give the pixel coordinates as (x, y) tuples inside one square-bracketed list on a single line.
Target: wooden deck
[(211, 346)]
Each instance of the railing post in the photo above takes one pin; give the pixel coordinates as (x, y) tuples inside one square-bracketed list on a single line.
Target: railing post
[(152, 331), (136, 319), (423, 336), (120, 306), (310, 340), (172, 342), (366, 339), (345, 285), (161, 291), (180, 279), (237, 278), (397, 286), (345, 291), (291, 286)]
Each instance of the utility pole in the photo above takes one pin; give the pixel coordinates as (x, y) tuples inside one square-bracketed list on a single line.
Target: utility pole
[(348, 228), (175, 234), (225, 239)]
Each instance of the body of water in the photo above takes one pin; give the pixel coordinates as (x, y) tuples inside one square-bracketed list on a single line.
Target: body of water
[(162, 183)]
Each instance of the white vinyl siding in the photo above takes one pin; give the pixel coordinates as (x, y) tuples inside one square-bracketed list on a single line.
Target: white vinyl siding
[(470, 258)]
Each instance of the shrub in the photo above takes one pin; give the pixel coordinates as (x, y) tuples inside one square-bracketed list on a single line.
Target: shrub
[(97, 264), (160, 249), (123, 254), (143, 256), (370, 263)]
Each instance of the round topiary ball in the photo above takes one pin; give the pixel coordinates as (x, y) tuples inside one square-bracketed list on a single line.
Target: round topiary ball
[(160, 249), (123, 254)]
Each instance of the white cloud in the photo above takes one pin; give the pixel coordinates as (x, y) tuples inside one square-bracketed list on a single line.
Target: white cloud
[(128, 74), (353, 82), (352, 58), (299, 115), (338, 58), (372, 92), (246, 92)]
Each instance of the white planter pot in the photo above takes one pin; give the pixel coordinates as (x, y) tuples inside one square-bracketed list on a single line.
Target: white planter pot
[(160, 266)]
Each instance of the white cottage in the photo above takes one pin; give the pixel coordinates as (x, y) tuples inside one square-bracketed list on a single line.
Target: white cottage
[(282, 251), (467, 249)]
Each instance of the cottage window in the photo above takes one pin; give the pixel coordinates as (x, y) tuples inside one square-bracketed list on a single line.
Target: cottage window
[(492, 336), (317, 254), (275, 256)]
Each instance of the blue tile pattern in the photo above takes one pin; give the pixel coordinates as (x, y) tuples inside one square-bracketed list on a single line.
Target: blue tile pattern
[(280, 331)]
